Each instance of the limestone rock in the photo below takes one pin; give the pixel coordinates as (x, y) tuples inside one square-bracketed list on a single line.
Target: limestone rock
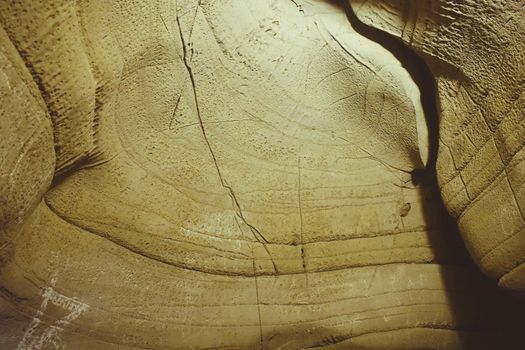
[(475, 50), (238, 174)]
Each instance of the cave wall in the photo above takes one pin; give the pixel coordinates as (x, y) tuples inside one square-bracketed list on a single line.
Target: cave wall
[(475, 51), (239, 174)]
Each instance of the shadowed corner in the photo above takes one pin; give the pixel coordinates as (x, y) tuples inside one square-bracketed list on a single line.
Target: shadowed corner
[(497, 315)]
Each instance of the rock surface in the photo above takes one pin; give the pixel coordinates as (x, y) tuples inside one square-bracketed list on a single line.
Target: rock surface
[(475, 51), (243, 174)]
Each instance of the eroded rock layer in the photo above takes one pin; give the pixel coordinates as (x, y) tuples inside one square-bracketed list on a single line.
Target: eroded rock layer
[(475, 50), (229, 174)]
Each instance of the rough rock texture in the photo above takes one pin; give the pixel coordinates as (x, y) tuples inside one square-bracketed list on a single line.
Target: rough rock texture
[(240, 174), (27, 159), (476, 52)]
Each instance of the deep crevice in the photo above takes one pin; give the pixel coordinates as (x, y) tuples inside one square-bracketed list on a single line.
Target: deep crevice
[(418, 70), (498, 307), (423, 77)]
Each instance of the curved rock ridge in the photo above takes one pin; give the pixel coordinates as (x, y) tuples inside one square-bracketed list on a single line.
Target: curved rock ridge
[(475, 51), (26, 141), (227, 175), (250, 154)]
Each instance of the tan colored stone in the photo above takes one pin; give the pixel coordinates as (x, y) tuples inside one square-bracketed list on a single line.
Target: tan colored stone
[(242, 174), (475, 51), (27, 157)]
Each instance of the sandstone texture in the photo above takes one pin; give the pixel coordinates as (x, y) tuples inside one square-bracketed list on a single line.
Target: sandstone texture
[(475, 50), (248, 174)]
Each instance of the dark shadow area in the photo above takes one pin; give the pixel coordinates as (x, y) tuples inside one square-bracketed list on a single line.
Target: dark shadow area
[(494, 311), (418, 70)]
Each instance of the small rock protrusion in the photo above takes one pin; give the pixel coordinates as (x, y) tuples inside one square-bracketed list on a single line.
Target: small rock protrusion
[(405, 209)]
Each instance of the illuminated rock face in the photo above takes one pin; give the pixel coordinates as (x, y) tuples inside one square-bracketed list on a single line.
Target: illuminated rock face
[(250, 174), (475, 51)]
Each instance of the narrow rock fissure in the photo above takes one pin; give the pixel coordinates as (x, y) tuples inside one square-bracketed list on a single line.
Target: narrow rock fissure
[(235, 203), (420, 74), (423, 77), (303, 251)]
